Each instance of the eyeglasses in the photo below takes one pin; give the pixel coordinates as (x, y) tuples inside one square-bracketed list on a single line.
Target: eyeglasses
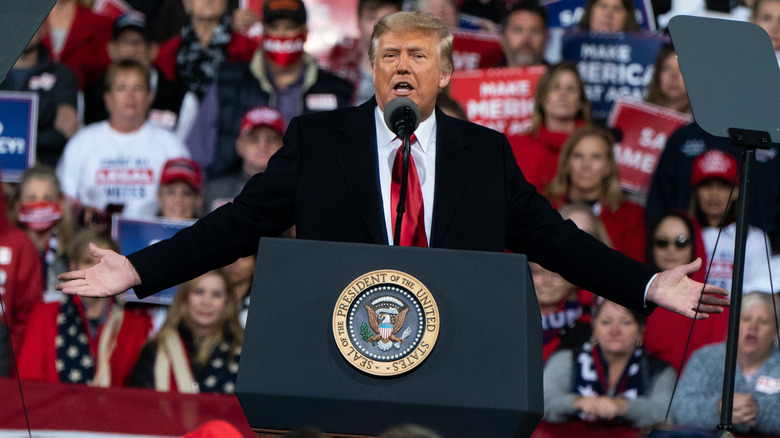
[(680, 242)]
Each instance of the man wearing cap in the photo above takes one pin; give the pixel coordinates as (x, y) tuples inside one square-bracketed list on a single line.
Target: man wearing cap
[(119, 160), (333, 179), (131, 39), (713, 182), (259, 138), (180, 187), (57, 91), (281, 75)]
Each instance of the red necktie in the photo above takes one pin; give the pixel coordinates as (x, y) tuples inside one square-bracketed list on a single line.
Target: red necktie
[(413, 225)]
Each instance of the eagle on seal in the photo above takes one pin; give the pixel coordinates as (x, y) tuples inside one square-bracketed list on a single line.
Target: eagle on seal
[(386, 318)]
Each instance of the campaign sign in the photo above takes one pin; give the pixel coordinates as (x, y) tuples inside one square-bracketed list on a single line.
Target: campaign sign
[(645, 128), (18, 127), (499, 98), (136, 233), (472, 50), (566, 14), (612, 65)]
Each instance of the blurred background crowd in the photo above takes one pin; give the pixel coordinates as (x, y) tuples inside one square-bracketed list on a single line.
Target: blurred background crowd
[(162, 110)]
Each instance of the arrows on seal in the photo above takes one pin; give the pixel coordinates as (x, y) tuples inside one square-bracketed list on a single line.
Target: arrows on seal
[(406, 333)]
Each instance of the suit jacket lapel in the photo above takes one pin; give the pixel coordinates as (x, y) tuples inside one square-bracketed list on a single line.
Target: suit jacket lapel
[(451, 174), (357, 155)]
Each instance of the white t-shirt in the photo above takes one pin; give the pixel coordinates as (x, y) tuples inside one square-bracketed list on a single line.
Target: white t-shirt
[(101, 166), (723, 259)]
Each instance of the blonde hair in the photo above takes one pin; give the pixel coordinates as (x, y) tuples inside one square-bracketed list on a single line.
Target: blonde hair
[(411, 21), (228, 327), (611, 193), (65, 225)]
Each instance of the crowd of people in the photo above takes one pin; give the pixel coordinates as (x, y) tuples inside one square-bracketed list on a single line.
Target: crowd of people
[(150, 116)]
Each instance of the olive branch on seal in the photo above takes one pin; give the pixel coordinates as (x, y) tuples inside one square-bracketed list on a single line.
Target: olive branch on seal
[(366, 332)]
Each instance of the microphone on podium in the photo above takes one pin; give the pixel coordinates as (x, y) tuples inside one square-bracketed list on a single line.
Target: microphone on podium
[(402, 116)]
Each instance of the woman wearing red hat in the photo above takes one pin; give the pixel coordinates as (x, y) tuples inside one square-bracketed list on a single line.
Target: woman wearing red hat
[(179, 195), (714, 205)]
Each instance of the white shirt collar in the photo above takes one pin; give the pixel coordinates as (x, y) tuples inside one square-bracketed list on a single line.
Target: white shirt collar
[(424, 132)]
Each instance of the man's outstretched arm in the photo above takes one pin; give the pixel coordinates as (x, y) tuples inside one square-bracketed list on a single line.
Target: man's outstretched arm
[(112, 275), (675, 291)]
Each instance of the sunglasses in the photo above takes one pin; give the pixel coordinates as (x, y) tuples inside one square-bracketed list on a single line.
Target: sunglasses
[(680, 242)]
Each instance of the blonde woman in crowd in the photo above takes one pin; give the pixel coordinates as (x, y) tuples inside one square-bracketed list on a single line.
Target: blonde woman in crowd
[(198, 347), (588, 172), (560, 107), (44, 213)]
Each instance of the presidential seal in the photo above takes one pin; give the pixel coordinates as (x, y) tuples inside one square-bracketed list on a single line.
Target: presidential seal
[(385, 323)]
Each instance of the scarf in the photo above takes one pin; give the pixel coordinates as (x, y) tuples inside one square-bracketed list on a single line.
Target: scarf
[(197, 66), (565, 316), (74, 360), (218, 376), (591, 374)]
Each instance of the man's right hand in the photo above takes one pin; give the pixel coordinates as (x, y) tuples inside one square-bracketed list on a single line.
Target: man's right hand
[(112, 275)]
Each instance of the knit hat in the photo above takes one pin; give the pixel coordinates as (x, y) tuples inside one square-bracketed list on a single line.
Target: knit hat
[(714, 164)]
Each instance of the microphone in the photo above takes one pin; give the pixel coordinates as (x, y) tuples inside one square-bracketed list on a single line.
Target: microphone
[(402, 116)]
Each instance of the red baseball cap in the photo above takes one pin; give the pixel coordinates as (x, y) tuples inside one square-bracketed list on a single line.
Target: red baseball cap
[(262, 116), (182, 169), (714, 164)]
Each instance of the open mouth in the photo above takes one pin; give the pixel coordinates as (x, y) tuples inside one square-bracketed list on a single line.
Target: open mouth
[(403, 88)]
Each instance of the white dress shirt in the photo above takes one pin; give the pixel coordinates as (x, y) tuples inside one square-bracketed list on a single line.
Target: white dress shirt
[(424, 153)]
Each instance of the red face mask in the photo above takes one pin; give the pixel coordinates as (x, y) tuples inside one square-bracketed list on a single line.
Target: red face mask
[(284, 51), (40, 216)]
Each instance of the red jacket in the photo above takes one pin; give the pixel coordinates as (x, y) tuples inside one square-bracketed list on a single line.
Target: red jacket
[(21, 281), (86, 47), (37, 360), (537, 155), (240, 49), (626, 228), (666, 333)]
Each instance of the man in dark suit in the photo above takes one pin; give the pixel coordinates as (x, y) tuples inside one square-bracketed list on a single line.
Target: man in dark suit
[(331, 179)]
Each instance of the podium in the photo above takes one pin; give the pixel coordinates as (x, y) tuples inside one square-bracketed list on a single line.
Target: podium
[(481, 375)]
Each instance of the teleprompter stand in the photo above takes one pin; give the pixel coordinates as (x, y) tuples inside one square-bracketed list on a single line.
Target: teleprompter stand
[(733, 81), (19, 21), (483, 376)]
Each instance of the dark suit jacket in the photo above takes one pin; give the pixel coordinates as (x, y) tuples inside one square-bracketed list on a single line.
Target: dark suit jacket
[(325, 181)]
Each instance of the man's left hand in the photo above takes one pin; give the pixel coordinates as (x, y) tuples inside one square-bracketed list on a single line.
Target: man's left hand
[(675, 291)]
